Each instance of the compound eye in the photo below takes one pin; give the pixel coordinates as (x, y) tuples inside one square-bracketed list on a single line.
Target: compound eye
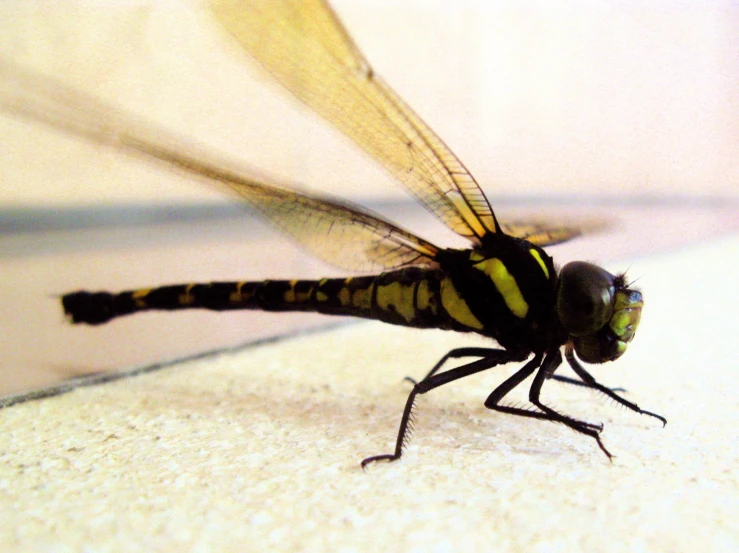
[(584, 298), (604, 346)]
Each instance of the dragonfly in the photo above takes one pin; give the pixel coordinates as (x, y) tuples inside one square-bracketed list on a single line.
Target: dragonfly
[(504, 286)]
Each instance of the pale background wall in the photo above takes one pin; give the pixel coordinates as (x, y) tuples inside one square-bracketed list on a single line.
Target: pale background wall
[(624, 98)]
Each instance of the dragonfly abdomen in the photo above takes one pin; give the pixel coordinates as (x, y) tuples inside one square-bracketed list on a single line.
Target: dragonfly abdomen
[(409, 297), (267, 295)]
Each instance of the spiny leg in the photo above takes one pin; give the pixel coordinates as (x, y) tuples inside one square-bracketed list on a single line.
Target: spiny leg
[(551, 362), (455, 354), (592, 383), (576, 382), (547, 367), (493, 357)]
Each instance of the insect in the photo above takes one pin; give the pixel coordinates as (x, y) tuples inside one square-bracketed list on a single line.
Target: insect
[(504, 287)]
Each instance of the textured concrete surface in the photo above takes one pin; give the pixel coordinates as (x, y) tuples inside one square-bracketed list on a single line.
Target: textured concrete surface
[(259, 449)]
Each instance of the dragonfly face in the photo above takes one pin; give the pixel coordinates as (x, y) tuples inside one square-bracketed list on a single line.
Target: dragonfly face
[(597, 310)]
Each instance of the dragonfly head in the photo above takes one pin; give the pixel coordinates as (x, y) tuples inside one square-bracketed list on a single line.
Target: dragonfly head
[(597, 310)]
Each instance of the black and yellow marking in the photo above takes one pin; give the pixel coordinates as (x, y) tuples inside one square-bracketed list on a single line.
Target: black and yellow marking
[(505, 284), (408, 297), (454, 304)]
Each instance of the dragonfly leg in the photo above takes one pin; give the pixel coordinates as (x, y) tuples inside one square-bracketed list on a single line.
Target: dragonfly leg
[(455, 354), (546, 368), (589, 381), (492, 358), (576, 382)]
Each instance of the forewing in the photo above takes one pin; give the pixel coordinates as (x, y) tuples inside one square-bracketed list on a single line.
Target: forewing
[(303, 44), (340, 234)]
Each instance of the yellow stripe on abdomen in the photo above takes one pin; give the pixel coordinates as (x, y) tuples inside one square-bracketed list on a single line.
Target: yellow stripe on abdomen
[(139, 297), (398, 298)]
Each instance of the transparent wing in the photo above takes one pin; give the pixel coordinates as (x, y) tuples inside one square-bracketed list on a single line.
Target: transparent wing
[(340, 234), (547, 233), (541, 234), (303, 44)]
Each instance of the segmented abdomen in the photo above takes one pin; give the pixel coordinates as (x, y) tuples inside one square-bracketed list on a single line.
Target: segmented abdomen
[(409, 297)]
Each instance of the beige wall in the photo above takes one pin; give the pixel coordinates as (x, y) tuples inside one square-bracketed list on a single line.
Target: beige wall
[(605, 99)]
